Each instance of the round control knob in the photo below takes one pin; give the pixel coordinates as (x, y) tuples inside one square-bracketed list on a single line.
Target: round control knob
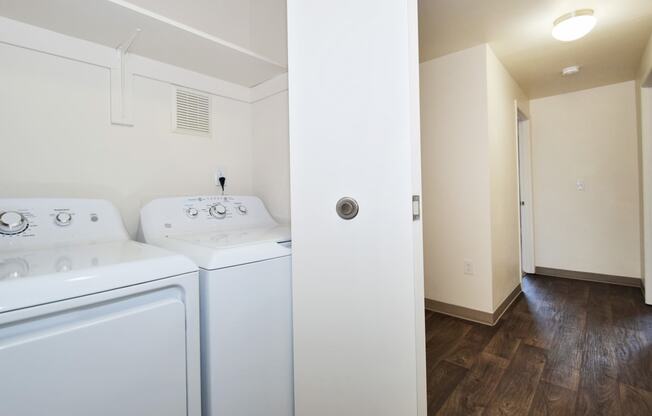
[(63, 219), (192, 212), (12, 222), (217, 211), (242, 209)]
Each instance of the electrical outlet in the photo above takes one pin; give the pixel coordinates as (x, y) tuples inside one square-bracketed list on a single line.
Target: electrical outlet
[(219, 172), (468, 267), (580, 185), (221, 184)]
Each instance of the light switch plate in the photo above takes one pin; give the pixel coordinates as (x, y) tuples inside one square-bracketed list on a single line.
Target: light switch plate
[(468, 267)]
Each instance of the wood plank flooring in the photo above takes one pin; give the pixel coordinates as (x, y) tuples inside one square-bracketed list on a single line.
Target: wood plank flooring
[(565, 347)]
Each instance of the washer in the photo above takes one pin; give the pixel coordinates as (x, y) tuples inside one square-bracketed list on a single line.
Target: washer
[(244, 260), (92, 323)]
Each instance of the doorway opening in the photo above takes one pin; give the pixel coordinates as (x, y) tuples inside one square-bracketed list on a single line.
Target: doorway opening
[(525, 194)]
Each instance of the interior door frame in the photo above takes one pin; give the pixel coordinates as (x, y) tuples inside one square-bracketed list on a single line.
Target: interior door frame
[(646, 189), (525, 192)]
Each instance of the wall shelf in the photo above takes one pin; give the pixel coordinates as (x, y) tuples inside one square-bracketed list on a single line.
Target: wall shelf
[(111, 22)]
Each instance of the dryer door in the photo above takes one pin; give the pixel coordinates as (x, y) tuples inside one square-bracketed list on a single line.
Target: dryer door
[(116, 353)]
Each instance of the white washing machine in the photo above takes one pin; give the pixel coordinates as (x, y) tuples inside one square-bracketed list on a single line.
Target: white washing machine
[(92, 323), (244, 260)]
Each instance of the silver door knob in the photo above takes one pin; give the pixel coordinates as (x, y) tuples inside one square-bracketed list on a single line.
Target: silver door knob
[(347, 208)]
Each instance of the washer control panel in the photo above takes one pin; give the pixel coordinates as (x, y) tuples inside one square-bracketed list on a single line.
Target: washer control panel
[(42, 222), (12, 223), (220, 209), (168, 216)]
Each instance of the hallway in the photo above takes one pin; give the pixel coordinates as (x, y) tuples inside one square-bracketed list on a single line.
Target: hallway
[(565, 347)]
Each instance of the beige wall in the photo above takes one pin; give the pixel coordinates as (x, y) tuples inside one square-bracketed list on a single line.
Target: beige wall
[(588, 135), (455, 175), (470, 202), (644, 76), (57, 139), (503, 156), (644, 116)]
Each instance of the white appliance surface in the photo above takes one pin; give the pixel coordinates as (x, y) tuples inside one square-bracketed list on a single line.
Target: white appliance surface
[(90, 322), (246, 298), (243, 234)]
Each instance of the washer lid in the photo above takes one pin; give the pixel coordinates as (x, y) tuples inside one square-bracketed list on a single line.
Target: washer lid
[(35, 277), (217, 250)]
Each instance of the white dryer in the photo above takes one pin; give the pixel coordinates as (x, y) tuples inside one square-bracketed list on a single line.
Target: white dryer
[(244, 258), (92, 323)]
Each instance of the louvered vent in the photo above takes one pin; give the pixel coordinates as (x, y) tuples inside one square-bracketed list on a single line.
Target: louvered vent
[(191, 113)]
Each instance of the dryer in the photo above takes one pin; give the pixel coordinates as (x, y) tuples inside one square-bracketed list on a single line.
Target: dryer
[(244, 259), (92, 323)]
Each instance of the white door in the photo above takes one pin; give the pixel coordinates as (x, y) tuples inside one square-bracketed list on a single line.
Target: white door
[(357, 283), (525, 192)]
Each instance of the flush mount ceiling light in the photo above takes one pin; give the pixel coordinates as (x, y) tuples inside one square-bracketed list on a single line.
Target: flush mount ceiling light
[(570, 70), (574, 25)]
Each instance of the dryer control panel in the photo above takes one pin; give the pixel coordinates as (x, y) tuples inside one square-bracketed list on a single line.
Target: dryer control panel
[(46, 222), (197, 214)]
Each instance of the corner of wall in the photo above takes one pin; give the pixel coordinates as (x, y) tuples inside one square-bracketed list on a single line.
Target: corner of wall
[(643, 79), (454, 140), (270, 150), (504, 97), (644, 74)]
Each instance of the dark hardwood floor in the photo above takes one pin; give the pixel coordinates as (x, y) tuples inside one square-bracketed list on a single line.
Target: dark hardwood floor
[(565, 347)]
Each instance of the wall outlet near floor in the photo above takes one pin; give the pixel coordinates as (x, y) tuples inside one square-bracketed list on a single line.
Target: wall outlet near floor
[(468, 267)]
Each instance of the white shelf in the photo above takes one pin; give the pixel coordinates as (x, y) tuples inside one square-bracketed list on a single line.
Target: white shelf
[(111, 22)]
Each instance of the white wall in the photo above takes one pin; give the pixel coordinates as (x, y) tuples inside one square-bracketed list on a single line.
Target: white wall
[(503, 155), (588, 135), (55, 119), (269, 29), (470, 178), (259, 25), (271, 154), (226, 19), (55, 125)]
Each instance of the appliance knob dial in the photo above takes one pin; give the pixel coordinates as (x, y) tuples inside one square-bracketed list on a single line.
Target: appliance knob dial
[(192, 212), (12, 222), (63, 219), (218, 211), (242, 209)]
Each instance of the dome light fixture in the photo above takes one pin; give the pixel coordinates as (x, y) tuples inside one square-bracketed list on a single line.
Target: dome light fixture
[(570, 70), (574, 25)]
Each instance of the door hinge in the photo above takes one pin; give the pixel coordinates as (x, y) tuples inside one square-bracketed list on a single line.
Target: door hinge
[(416, 207)]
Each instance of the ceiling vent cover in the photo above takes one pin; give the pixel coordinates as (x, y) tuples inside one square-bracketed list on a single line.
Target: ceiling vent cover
[(191, 113)]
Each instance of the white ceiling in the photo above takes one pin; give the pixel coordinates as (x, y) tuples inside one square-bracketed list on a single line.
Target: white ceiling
[(519, 33)]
